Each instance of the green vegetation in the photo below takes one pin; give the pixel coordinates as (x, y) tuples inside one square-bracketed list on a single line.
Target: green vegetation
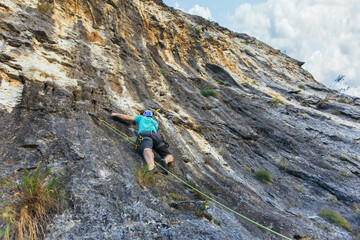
[(217, 222), (301, 86), (178, 197), (342, 101), (276, 101), (335, 218), (203, 214), (346, 174), (198, 31), (247, 168), (281, 164), (43, 6), (254, 82), (27, 206), (199, 196), (300, 189), (335, 112), (323, 226), (163, 71), (145, 178), (331, 198), (263, 176), (209, 92), (343, 158)]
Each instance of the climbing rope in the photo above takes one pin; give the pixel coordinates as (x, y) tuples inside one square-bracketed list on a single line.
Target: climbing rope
[(129, 139)]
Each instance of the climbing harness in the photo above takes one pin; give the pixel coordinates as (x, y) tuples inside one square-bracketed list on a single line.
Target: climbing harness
[(129, 139)]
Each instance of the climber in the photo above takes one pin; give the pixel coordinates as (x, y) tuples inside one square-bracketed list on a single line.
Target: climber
[(149, 139)]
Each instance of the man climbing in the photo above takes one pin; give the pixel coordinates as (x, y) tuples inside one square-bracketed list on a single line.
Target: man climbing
[(150, 139)]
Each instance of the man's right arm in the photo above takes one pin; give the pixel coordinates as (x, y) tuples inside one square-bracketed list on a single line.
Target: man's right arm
[(123, 117)]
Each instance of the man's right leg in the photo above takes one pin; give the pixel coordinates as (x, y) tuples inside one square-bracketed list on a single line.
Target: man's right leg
[(149, 157)]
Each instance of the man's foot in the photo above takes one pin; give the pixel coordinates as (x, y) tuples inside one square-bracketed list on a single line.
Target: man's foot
[(162, 163)]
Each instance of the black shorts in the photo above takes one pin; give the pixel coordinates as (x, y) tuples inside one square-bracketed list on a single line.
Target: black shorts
[(154, 141)]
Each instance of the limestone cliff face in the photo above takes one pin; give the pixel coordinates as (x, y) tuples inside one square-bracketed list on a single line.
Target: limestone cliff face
[(126, 56)]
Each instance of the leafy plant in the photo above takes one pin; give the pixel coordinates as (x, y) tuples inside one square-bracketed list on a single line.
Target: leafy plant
[(26, 207), (209, 92), (198, 31), (335, 218), (263, 176)]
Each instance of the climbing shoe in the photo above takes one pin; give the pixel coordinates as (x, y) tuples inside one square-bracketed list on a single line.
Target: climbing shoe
[(162, 162), (155, 170)]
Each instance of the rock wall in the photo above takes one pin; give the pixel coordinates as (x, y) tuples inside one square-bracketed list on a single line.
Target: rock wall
[(62, 59)]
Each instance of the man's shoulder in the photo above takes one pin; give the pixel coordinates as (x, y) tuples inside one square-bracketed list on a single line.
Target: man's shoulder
[(138, 118)]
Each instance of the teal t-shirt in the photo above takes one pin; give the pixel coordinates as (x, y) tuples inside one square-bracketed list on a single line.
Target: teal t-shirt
[(146, 124)]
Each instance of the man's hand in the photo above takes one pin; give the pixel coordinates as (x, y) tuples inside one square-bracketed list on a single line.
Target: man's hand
[(123, 117)]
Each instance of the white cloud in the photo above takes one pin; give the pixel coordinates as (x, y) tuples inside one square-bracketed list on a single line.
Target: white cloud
[(201, 11), (323, 33)]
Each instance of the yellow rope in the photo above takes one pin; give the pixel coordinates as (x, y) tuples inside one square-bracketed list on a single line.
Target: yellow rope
[(129, 139)]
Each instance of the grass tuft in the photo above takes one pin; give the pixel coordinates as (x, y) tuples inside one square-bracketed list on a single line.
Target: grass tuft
[(209, 93), (335, 218), (342, 101), (301, 86), (143, 177), (336, 113), (43, 6), (263, 176), (26, 207), (275, 101)]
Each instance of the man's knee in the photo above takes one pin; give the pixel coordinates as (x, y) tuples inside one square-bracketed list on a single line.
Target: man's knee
[(147, 151)]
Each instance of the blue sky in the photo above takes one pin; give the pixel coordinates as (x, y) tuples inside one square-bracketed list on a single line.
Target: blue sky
[(325, 34)]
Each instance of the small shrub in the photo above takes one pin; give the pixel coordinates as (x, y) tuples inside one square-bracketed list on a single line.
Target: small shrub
[(254, 82), (331, 198), (209, 92), (247, 168), (217, 222), (343, 158), (342, 101), (263, 176), (178, 197), (301, 86), (198, 31), (163, 71), (203, 214), (199, 196), (276, 101), (26, 207), (43, 6), (143, 177), (335, 112), (335, 218), (282, 164), (346, 174)]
